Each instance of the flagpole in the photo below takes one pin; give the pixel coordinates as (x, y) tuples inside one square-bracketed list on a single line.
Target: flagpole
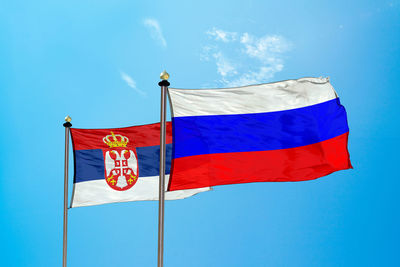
[(67, 125), (161, 196)]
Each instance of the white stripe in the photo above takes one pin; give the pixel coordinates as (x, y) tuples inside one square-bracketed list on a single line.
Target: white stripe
[(97, 192), (260, 98)]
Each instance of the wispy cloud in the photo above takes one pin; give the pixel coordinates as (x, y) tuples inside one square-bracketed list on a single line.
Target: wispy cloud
[(131, 83), (242, 58), (254, 77), (221, 35), (224, 66), (264, 48), (155, 31)]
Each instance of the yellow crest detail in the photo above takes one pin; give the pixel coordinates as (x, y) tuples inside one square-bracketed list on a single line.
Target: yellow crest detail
[(117, 140)]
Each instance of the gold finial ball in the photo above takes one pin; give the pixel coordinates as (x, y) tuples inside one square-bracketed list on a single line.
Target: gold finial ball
[(68, 119), (164, 75)]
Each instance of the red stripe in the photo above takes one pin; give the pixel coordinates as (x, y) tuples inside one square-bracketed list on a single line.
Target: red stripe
[(284, 165), (139, 136)]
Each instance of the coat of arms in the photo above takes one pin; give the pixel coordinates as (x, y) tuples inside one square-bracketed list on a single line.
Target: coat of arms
[(121, 167)]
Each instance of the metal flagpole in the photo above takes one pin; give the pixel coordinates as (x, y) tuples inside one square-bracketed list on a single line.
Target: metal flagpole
[(164, 85), (67, 125)]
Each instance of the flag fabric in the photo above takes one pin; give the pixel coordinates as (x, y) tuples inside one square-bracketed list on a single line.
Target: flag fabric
[(292, 130), (121, 164)]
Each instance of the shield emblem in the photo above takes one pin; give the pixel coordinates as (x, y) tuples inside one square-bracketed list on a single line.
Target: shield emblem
[(120, 163)]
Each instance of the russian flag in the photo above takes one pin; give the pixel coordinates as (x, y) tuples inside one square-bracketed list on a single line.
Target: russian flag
[(120, 164), (292, 130)]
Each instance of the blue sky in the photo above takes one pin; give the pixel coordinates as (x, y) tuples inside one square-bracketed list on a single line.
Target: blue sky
[(99, 62)]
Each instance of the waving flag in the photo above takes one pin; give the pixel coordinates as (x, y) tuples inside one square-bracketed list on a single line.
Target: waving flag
[(122, 164), (292, 130)]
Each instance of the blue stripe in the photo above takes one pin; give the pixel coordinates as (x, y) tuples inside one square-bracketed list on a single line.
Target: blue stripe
[(89, 164), (149, 160), (199, 135)]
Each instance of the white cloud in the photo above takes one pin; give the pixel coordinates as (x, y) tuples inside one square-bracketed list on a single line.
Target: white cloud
[(264, 48), (131, 83), (224, 66), (254, 77), (221, 35), (245, 60), (155, 31), (205, 53)]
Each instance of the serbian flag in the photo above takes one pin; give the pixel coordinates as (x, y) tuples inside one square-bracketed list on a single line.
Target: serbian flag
[(292, 130), (121, 164)]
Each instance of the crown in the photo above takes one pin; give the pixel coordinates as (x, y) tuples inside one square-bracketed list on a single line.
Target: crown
[(117, 140)]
